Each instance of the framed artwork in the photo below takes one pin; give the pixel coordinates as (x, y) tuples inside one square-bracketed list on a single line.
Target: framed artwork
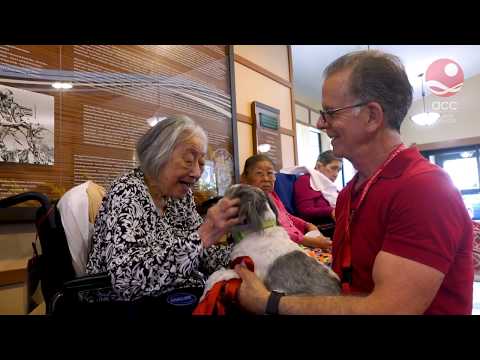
[(26, 127)]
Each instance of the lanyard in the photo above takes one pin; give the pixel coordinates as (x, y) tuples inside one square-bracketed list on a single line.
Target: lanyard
[(345, 245)]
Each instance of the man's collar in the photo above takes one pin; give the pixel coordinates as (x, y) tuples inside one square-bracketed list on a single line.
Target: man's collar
[(398, 165), (393, 170)]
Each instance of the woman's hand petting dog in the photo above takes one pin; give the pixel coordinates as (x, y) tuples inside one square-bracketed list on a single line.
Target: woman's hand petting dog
[(321, 242), (219, 219), (253, 295)]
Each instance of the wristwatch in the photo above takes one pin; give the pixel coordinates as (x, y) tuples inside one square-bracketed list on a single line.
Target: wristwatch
[(273, 301)]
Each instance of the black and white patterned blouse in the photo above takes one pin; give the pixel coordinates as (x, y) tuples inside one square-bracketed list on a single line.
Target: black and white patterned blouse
[(144, 252)]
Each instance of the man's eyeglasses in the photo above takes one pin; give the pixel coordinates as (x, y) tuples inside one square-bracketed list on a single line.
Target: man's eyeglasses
[(327, 114)]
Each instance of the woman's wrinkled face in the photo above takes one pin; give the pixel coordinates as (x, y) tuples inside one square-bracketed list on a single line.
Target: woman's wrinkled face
[(184, 168), (262, 175), (330, 170)]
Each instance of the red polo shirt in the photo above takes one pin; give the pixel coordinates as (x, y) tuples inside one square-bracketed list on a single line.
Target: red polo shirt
[(414, 211)]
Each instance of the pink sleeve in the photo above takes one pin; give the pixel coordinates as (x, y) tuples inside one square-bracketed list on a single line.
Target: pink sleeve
[(294, 226), (299, 223)]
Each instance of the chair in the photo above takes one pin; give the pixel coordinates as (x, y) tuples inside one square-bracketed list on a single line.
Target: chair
[(61, 288), (284, 188)]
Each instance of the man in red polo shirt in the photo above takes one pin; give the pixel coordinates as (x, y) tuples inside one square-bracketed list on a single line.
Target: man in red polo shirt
[(403, 238)]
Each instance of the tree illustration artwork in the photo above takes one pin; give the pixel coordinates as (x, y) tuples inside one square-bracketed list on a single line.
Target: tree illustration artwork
[(20, 136)]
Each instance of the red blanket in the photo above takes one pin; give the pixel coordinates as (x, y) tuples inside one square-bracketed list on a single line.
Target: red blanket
[(223, 292)]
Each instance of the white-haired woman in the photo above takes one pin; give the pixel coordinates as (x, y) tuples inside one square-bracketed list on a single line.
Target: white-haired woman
[(148, 236)]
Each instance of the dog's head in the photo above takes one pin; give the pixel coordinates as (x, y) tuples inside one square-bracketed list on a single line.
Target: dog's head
[(256, 208)]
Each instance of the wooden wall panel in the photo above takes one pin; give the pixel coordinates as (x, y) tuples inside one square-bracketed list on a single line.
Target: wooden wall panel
[(116, 90), (253, 86), (271, 57)]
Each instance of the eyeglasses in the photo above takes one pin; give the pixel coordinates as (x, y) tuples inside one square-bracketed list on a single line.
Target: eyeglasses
[(326, 114)]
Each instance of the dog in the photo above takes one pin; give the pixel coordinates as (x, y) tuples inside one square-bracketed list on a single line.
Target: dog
[(278, 261)]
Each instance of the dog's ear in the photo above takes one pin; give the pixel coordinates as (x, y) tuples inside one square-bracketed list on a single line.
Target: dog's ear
[(252, 207)]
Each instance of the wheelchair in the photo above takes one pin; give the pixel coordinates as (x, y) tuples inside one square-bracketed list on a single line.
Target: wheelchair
[(62, 289)]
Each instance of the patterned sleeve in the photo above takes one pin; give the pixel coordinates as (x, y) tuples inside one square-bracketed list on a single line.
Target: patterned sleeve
[(140, 259), (213, 257)]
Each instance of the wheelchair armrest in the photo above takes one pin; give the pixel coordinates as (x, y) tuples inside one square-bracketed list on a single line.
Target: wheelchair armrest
[(326, 226), (88, 282)]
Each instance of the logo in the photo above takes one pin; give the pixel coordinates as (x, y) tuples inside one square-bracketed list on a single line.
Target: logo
[(181, 299), (444, 77)]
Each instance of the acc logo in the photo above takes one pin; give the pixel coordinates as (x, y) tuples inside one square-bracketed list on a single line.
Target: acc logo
[(444, 77), (181, 299)]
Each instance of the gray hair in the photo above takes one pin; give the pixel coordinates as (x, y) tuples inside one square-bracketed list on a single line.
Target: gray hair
[(253, 160), (155, 147), (327, 157), (380, 77)]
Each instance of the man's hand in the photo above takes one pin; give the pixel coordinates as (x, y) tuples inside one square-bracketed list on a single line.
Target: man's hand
[(252, 295), (220, 218)]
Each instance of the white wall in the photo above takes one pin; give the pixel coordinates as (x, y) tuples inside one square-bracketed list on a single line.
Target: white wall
[(464, 122)]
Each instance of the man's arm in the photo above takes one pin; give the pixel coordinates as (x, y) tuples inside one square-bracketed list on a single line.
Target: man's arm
[(402, 286)]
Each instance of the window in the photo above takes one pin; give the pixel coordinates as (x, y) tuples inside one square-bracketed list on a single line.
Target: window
[(308, 145), (347, 173), (462, 164)]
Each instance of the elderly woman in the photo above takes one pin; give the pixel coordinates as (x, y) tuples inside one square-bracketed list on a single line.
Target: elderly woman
[(259, 171), (148, 236), (316, 193)]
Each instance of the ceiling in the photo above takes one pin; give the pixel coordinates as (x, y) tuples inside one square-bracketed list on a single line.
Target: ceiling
[(310, 60)]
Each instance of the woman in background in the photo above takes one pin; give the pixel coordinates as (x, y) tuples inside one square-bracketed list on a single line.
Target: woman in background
[(315, 192), (259, 171)]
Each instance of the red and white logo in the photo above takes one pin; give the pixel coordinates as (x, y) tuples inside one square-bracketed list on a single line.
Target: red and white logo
[(444, 77)]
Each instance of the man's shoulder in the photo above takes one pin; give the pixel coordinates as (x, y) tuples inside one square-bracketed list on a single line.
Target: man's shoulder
[(424, 172), (426, 182)]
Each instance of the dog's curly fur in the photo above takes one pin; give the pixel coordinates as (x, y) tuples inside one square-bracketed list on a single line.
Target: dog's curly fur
[(279, 262)]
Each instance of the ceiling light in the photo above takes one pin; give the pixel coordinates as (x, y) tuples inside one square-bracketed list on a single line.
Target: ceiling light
[(425, 118), (263, 148), (62, 85)]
